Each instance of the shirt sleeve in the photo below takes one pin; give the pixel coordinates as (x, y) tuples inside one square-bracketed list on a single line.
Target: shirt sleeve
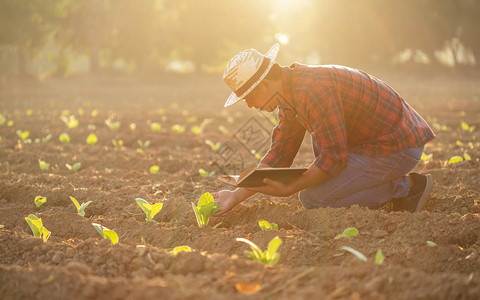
[(329, 138), (287, 137)]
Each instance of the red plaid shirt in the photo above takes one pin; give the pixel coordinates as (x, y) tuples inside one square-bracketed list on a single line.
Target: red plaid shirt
[(345, 111)]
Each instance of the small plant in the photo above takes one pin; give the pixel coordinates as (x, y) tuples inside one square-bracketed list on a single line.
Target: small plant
[(106, 233), (348, 232), (154, 169), (64, 138), (358, 254), (37, 227), (196, 130), (94, 113), (179, 249), (426, 157), (92, 139), (40, 200), (466, 127), (142, 145), (431, 244), (455, 159), (379, 258), (149, 209), (132, 126), (47, 138), (269, 256), (23, 135), (223, 129), (155, 126), (43, 165), (467, 156), (265, 225), (204, 173), (74, 167), (10, 123), (177, 128), (113, 125), (118, 144), (204, 209), (71, 121), (80, 208), (214, 146)]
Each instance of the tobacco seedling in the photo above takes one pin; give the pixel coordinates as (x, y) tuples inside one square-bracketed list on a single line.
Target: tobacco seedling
[(150, 210), (43, 165), (265, 225), (196, 130), (80, 208), (358, 254), (118, 144), (37, 227), (40, 200), (379, 258), (269, 256), (113, 125), (74, 167), (214, 146), (154, 169), (431, 244), (467, 156), (204, 173), (455, 159), (106, 233), (71, 122), (348, 232), (143, 145), (155, 126), (92, 139), (132, 126), (178, 128), (64, 138), (466, 127), (204, 209), (23, 135), (426, 157), (223, 129), (179, 249)]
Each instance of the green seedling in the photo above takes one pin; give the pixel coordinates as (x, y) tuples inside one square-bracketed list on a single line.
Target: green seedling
[(81, 111), (379, 258), (466, 127), (29, 112), (37, 227), (214, 146), (154, 169), (142, 145), (74, 167), (358, 254), (467, 156), (455, 159), (265, 225), (426, 157), (269, 256), (92, 139), (179, 249), (155, 126), (113, 125), (204, 209), (23, 135), (149, 209), (459, 143), (118, 144), (106, 233), (71, 122), (94, 113), (40, 200), (431, 244), (132, 126), (348, 232), (2, 226), (196, 130), (204, 173), (80, 208), (2, 119), (43, 165), (177, 128), (10, 123), (47, 138), (223, 129)]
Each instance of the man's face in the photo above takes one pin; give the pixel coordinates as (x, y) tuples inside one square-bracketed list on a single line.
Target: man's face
[(261, 98)]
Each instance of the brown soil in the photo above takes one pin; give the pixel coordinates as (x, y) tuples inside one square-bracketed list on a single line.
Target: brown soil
[(75, 263)]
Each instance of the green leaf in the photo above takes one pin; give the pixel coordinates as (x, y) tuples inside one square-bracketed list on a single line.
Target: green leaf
[(92, 139), (200, 221), (110, 234), (203, 173), (348, 232), (179, 249), (256, 251), (77, 166), (425, 157), (40, 200), (271, 254), (379, 258), (2, 226), (196, 130), (75, 202), (431, 244), (265, 225), (99, 228), (455, 159), (43, 165), (45, 233), (358, 254), (81, 211), (64, 138), (467, 156), (150, 210), (178, 128), (465, 126), (23, 135), (205, 208), (156, 208), (35, 224), (154, 169), (155, 126)]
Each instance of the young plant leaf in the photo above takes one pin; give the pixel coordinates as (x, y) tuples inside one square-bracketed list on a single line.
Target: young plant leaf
[(455, 159), (23, 135), (203, 173), (150, 210), (358, 254), (265, 225), (92, 139), (467, 156), (177, 128), (379, 258), (40, 200), (154, 169), (106, 233), (431, 244), (204, 209), (426, 157), (64, 138), (37, 227), (348, 232), (43, 165), (155, 126), (272, 257), (80, 208), (269, 256), (179, 249)]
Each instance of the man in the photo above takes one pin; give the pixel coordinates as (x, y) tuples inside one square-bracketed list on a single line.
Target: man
[(366, 138)]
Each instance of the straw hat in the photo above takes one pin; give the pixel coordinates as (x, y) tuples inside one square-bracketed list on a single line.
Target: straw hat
[(245, 71)]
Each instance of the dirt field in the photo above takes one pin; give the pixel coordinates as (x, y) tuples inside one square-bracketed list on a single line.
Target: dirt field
[(76, 263)]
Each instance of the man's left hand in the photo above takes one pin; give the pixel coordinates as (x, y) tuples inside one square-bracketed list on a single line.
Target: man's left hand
[(274, 188)]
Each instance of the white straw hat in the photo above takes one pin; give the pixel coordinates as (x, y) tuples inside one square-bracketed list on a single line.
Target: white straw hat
[(245, 71)]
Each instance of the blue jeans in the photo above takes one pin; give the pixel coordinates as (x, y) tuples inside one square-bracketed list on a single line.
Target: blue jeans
[(366, 181)]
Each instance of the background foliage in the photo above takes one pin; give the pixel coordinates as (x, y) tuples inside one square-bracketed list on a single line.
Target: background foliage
[(61, 37)]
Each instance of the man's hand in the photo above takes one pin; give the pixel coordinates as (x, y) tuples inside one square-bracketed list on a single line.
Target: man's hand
[(226, 200), (274, 188)]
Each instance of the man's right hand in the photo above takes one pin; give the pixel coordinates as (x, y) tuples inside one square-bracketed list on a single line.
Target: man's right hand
[(227, 199)]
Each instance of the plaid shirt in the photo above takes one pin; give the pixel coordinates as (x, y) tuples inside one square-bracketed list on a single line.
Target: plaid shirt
[(345, 111)]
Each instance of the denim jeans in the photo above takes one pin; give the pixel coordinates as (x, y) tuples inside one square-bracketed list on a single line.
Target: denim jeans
[(366, 181)]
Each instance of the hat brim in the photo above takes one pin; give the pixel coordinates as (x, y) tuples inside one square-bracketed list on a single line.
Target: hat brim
[(272, 55)]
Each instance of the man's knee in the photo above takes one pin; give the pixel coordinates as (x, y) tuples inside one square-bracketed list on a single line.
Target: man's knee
[(310, 199)]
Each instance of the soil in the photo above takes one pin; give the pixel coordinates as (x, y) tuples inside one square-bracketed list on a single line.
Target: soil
[(76, 263)]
